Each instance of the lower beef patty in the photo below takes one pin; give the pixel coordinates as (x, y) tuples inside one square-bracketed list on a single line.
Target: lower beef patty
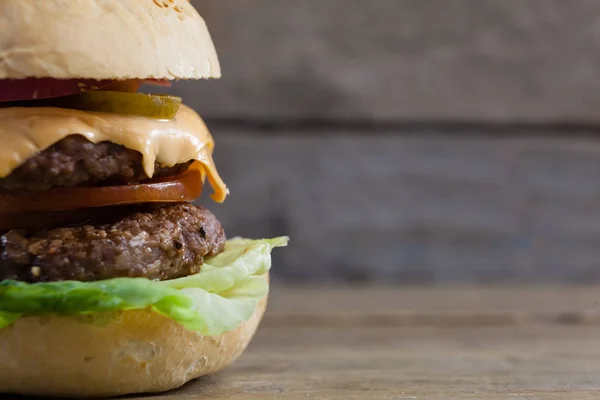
[(156, 241), (75, 161)]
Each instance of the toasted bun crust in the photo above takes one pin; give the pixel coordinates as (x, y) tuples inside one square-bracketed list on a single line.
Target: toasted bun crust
[(138, 352), (105, 39)]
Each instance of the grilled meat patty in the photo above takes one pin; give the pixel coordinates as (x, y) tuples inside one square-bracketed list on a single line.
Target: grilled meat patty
[(75, 161), (154, 241)]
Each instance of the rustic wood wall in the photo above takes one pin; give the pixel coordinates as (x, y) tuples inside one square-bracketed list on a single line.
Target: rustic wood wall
[(418, 141)]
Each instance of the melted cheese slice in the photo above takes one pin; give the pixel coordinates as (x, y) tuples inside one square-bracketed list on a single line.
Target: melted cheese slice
[(25, 132)]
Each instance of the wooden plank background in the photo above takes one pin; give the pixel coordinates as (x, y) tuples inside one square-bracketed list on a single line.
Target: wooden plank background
[(487, 60), (414, 141)]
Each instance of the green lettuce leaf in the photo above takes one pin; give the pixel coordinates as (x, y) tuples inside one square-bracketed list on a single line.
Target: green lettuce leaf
[(216, 300)]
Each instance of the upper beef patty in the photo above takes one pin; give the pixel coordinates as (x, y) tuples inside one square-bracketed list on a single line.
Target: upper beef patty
[(156, 241), (75, 161)]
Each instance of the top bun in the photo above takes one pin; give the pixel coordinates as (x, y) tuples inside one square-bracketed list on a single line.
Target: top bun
[(105, 39)]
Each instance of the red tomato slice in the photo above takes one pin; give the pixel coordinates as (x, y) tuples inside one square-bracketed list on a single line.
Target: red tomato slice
[(158, 82), (44, 88), (184, 187)]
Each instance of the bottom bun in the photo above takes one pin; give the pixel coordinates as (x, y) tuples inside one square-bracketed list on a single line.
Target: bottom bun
[(131, 352)]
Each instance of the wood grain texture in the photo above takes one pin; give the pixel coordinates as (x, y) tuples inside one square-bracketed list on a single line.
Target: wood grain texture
[(446, 306), (359, 361), (411, 363), (417, 208), (511, 60)]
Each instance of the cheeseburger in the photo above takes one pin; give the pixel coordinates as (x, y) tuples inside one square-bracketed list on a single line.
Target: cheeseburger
[(112, 281)]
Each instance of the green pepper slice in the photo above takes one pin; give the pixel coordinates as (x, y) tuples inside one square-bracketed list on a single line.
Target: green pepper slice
[(124, 103), (136, 104)]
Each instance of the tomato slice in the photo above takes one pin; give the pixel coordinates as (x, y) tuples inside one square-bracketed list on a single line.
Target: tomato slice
[(133, 85), (158, 82), (44, 88), (184, 187)]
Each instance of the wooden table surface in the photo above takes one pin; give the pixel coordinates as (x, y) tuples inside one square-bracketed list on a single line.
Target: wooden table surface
[(408, 343)]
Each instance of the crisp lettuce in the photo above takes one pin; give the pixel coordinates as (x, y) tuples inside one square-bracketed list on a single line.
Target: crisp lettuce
[(216, 300)]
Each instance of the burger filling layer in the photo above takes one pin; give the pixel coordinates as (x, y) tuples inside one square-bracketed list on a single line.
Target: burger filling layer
[(96, 212), (154, 241), (88, 207), (75, 161)]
